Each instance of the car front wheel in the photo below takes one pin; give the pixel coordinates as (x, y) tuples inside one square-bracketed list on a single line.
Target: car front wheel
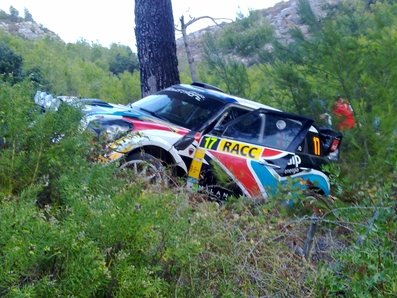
[(144, 167)]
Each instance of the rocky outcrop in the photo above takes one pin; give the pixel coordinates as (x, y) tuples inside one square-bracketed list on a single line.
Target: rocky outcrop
[(26, 29), (283, 17)]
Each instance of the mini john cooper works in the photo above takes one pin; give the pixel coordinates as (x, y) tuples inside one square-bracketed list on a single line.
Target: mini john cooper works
[(204, 134)]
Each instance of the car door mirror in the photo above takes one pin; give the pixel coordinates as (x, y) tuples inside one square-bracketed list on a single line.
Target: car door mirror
[(185, 141), (218, 130)]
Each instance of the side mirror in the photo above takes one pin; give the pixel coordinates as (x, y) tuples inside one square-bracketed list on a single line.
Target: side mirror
[(185, 141), (218, 130)]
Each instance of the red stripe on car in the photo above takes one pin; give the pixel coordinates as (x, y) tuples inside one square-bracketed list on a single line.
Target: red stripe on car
[(238, 166), (269, 153), (143, 125)]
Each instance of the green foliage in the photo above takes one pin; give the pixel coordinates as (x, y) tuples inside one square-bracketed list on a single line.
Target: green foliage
[(238, 257), (228, 74), (367, 267), (307, 15), (245, 39), (14, 13), (122, 59), (347, 56), (10, 63), (3, 15), (34, 155), (28, 16), (246, 36), (35, 75), (79, 69), (71, 227), (364, 270), (349, 53)]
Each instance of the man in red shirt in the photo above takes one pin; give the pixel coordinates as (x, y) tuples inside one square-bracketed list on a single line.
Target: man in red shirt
[(344, 114)]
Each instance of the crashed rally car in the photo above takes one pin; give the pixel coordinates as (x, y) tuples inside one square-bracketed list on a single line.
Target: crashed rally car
[(200, 131)]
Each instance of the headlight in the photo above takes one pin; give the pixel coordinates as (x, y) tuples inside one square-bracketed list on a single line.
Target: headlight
[(114, 132), (47, 101), (109, 129)]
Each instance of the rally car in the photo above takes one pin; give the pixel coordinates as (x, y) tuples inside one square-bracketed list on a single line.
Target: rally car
[(203, 133)]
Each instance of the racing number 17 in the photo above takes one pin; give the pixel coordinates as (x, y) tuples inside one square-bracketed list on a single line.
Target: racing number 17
[(209, 142)]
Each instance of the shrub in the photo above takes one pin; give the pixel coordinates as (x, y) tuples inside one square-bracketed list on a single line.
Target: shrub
[(10, 63)]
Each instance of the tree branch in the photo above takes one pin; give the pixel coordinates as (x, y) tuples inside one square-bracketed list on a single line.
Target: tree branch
[(193, 20)]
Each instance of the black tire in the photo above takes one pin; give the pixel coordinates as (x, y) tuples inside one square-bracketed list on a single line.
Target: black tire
[(145, 167)]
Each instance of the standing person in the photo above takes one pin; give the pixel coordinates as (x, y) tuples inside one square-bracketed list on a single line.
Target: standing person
[(344, 114)]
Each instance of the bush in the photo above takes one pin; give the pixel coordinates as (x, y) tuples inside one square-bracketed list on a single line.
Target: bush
[(69, 228), (367, 267), (10, 64)]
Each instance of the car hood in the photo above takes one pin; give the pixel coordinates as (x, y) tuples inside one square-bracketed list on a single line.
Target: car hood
[(141, 120)]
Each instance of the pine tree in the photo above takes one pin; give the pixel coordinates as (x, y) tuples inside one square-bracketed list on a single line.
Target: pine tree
[(155, 36), (14, 13), (28, 16)]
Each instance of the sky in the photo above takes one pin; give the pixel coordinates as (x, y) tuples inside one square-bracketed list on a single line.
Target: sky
[(106, 22)]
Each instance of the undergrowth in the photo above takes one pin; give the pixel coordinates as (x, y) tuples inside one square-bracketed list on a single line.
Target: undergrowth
[(71, 227)]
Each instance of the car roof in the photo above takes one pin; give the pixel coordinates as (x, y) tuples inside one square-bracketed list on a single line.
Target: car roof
[(227, 98), (231, 99)]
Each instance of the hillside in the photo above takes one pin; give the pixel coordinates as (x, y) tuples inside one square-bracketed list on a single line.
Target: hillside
[(25, 27), (29, 50), (282, 17)]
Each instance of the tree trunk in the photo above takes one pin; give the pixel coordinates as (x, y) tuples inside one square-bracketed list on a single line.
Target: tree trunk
[(155, 37), (189, 55)]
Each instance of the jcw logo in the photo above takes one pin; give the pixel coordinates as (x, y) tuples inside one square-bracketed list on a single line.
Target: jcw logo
[(295, 161)]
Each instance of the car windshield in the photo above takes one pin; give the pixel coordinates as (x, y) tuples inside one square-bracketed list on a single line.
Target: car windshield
[(182, 107)]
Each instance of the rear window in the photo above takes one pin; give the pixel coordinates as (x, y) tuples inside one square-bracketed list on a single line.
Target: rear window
[(182, 107)]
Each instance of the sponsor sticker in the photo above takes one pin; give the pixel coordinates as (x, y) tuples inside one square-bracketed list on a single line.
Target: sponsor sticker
[(192, 94), (240, 149), (197, 162), (295, 161), (293, 165), (195, 168), (280, 124)]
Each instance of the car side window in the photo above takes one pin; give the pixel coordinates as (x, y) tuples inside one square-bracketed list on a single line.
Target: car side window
[(265, 129), (231, 114), (246, 129), (280, 132)]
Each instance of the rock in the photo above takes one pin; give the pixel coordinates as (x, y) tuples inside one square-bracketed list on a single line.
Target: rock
[(29, 30), (283, 16)]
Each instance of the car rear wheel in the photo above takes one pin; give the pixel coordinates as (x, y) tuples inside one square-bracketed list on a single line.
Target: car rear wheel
[(144, 167)]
